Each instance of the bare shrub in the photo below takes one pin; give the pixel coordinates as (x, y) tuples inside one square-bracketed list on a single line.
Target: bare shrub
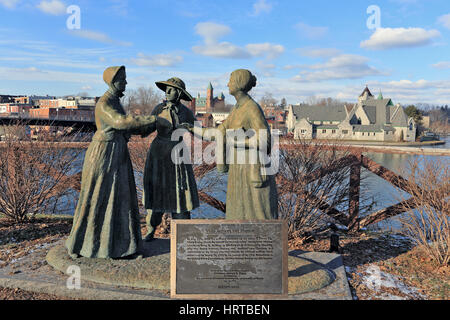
[(141, 101), (427, 220), (34, 175), (313, 186)]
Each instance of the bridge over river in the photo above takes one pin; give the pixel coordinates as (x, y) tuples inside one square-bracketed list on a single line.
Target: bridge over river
[(81, 123)]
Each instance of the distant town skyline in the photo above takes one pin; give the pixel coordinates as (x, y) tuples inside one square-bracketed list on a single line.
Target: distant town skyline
[(297, 49)]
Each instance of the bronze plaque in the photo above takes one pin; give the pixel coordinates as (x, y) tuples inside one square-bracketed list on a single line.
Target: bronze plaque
[(229, 259)]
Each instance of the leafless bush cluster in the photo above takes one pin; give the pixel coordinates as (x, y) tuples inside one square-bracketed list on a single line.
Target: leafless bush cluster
[(441, 127), (33, 174), (427, 220), (313, 187), (142, 100)]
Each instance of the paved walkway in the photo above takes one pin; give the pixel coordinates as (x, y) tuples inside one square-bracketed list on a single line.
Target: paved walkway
[(33, 273)]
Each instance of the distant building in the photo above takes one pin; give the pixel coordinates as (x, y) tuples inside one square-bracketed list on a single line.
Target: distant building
[(7, 98), (371, 119), (207, 120), (14, 108), (63, 114), (209, 110), (209, 103)]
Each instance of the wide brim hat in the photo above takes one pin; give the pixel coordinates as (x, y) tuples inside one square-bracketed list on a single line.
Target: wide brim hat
[(175, 83)]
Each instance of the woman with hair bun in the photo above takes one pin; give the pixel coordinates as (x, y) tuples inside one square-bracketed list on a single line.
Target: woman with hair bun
[(251, 193)]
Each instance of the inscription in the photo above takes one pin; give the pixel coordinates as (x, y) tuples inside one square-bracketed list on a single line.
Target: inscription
[(241, 258), (240, 247)]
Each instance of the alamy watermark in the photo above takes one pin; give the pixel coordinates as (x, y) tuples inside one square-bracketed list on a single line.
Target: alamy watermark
[(374, 20), (74, 281), (74, 20), (236, 146)]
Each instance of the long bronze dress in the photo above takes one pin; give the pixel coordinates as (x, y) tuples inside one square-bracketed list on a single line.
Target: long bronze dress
[(250, 194), (169, 187), (106, 221)]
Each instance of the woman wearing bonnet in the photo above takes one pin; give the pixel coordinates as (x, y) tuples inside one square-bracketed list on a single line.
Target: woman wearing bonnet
[(106, 220)]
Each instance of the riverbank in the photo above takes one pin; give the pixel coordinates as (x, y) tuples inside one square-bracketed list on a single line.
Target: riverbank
[(369, 142), (404, 272), (419, 148)]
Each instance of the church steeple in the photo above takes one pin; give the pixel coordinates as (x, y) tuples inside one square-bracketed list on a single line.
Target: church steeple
[(366, 91), (209, 97), (380, 96), (366, 94)]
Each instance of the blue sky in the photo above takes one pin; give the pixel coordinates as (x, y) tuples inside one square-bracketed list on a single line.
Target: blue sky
[(297, 49)]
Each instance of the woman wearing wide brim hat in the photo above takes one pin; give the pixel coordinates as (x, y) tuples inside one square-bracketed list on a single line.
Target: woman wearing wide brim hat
[(169, 186), (175, 83)]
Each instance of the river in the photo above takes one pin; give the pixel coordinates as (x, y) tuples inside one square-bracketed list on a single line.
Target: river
[(374, 187)]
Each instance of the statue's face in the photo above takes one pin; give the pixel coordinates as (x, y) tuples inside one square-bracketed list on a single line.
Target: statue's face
[(232, 87), (172, 94), (120, 81)]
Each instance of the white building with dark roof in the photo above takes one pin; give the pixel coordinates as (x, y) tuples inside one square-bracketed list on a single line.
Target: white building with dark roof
[(371, 119)]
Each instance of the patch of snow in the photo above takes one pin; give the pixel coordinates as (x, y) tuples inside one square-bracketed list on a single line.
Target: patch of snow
[(42, 246), (375, 279)]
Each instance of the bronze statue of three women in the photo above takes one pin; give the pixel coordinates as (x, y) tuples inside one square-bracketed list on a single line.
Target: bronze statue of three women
[(106, 221)]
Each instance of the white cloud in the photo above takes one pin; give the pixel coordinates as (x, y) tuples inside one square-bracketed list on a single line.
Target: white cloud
[(343, 60), (442, 65), (344, 66), (414, 85), (32, 69), (292, 66), (261, 6), (420, 91), (119, 7), (212, 32), (98, 36), (311, 31), (445, 20), (266, 68), (262, 49), (37, 75), (86, 88), (318, 52), (10, 4), (159, 60), (390, 38), (221, 50), (53, 7)]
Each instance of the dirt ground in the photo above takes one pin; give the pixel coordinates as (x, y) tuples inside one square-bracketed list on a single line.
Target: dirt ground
[(384, 266), (380, 266)]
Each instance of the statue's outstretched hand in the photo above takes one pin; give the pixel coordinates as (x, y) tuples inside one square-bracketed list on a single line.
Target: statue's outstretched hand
[(186, 126)]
